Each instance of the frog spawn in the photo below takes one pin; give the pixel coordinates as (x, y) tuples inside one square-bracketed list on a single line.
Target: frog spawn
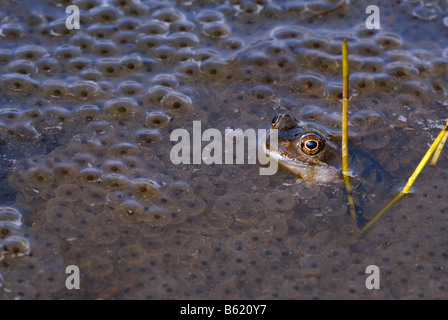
[(101, 134), (13, 244)]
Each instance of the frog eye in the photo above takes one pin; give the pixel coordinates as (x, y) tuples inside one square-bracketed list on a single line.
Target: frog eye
[(311, 144)]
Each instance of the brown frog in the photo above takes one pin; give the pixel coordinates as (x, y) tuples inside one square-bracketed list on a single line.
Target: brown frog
[(304, 149), (313, 154)]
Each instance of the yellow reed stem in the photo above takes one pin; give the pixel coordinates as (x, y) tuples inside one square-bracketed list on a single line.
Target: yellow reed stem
[(425, 159), (345, 100), (436, 155), (413, 177)]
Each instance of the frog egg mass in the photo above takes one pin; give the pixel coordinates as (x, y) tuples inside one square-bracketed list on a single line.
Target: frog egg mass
[(104, 166)]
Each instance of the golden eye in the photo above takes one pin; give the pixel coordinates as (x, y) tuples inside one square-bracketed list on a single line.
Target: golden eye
[(311, 144)]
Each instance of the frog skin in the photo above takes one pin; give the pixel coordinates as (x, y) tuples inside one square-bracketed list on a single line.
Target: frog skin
[(304, 149)]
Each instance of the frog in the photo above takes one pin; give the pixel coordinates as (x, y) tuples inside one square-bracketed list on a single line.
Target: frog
[(311, 151), (305, 149)]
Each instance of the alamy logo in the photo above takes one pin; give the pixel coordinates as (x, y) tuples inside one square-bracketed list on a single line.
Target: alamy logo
[(373, 21), (373, 280), (189, 149), (72, 21), (72, 281)]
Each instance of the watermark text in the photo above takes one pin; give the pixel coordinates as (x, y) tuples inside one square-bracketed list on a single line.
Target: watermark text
[(188, 149)]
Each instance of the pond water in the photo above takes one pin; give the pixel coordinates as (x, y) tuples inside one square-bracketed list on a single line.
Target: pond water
[(87, 179)]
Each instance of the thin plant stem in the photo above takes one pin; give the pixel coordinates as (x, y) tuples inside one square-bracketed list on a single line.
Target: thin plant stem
[(345, 100), (436, 155), (412, 178)]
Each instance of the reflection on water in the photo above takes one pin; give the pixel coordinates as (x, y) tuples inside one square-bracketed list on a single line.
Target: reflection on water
[(87, 179)]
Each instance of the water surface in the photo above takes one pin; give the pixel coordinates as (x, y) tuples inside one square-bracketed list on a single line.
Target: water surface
[(86, 117)]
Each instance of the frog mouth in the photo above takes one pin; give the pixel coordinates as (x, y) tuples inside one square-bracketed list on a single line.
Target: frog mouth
[(285, 157)]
